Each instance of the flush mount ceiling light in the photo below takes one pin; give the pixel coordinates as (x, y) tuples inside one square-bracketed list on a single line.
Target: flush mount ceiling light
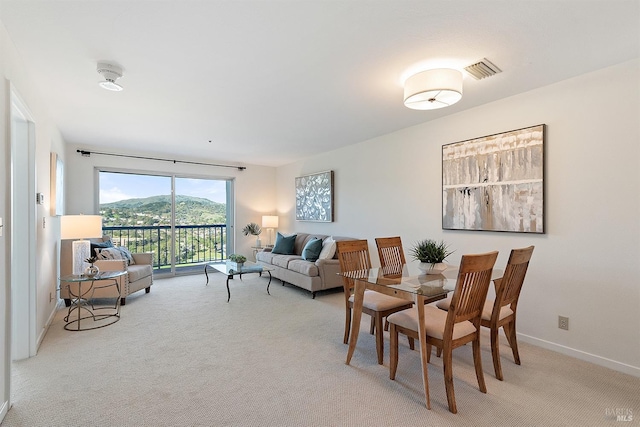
[(110, 73), (433, 89)]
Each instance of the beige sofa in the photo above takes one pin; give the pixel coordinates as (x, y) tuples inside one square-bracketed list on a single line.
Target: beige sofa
[(312, 276), (139, 275)]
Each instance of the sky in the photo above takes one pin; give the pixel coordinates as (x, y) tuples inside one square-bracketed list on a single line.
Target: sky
[(121, 186)]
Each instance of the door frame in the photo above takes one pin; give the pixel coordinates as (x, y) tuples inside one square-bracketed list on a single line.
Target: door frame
[(22, 271)]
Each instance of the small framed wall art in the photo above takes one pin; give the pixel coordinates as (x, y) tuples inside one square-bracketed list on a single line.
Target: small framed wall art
[(495, 183), (314, 197)]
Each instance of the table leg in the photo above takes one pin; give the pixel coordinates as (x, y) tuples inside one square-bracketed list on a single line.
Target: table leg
[(228, 291), (422, 333), (268, 284), (205, 273), (358, 299)]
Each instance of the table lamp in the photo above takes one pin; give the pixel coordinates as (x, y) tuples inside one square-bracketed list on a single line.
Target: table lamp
[(270, 222), (80, 227)]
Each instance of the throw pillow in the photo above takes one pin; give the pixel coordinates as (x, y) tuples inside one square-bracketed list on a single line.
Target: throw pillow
[(328, 248), (111, 253), (285, 245), (100, 245), (312, 249), (126, 255)]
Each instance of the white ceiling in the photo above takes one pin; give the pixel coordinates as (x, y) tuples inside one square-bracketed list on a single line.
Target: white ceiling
[(270, 82)]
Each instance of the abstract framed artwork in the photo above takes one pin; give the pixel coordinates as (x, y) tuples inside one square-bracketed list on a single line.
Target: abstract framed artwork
[(495, 183), (56, 185), (314, 197)]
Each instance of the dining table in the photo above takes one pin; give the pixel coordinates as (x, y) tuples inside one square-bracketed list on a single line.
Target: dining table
[(404, 281)]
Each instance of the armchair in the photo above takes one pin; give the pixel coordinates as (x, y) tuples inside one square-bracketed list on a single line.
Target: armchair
[(139, 275)]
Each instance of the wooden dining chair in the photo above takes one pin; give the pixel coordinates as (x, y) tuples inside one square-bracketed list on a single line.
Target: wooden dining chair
[(452, 329), (390, 251), (501, 312), (354, 256)]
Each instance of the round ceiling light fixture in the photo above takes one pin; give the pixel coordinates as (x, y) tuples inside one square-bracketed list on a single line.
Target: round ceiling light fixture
[(110, 73), (433, 89)]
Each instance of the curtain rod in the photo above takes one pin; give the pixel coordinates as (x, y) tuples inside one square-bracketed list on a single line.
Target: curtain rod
[(87, 153)]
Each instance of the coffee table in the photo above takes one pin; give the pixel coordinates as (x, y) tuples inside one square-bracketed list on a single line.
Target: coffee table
[(247, 268)]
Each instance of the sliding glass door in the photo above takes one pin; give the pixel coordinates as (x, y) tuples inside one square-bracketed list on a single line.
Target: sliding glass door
[(184, 221)]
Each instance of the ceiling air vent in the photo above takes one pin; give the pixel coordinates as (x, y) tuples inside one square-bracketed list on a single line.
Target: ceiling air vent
[(482, 69)]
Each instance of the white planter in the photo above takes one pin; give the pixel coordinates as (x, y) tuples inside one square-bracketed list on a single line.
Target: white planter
[(236, 266), (429, 268)]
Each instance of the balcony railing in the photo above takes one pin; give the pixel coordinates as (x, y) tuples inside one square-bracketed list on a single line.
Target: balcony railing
[(195, 244)]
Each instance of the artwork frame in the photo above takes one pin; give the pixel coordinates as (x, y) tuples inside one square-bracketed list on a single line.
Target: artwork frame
[(314, 197), (56, 185), (495, 182)]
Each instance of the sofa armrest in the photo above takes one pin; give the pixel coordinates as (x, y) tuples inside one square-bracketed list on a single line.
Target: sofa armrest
[(328, 270), (143, 258), (111, 264)]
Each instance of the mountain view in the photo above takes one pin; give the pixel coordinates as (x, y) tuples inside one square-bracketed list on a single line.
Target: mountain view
[(156, 210)]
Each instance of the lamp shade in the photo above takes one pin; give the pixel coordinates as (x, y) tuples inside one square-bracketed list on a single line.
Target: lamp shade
[(433, 89), (80, 226), (270, 221)]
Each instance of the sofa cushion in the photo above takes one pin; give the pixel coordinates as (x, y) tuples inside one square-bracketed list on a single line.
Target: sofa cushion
[(139, 271), (312, 249), (301, 266), (284, 244), (328, 248), (283, 260)]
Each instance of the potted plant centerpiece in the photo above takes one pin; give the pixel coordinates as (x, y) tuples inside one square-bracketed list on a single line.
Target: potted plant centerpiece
[(431, 255), (255, 230), (236, 261)]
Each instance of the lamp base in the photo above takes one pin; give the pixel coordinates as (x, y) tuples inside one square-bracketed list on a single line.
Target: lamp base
[(81, 251)]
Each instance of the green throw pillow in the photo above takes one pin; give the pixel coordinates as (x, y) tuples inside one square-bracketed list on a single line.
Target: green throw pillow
[(284, 245), (312, 249)]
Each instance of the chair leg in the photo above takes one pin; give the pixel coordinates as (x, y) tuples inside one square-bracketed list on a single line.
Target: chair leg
[(347, 325), (393, 362), (438, 352), (123, 301), (386, 324), (495, 353), (448, 380), (379, 338), (412, 344), (429, 352), (477, 362), (510, 331), (372, 328)]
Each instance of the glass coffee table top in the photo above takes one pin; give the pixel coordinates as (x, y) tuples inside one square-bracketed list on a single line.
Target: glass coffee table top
[(247, 268)]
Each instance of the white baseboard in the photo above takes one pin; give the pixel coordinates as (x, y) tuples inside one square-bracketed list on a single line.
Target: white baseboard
[(578, 354), (4, 410)]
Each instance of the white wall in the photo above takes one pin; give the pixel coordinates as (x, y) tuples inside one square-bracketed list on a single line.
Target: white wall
[(48, 139), (254, 186), (586, 266)]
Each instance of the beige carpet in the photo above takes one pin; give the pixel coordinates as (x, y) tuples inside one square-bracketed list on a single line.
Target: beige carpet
[(183, 356)]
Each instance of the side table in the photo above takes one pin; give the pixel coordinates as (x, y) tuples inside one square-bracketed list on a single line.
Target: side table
[(82, 292)]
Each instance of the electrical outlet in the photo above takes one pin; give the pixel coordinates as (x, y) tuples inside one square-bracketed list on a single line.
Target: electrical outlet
[(563, 323)]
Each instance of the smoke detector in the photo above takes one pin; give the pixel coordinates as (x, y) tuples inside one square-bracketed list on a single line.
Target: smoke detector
[(110, 73)]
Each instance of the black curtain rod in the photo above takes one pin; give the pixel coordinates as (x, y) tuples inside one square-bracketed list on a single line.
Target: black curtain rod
[(87, 153)]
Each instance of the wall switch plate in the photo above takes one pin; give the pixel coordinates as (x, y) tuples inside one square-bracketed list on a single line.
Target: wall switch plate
[(39, 198)]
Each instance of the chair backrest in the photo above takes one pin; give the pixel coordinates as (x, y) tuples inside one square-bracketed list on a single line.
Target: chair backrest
[(353, 256), (509, 287), (471, 289), (390, 251)]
